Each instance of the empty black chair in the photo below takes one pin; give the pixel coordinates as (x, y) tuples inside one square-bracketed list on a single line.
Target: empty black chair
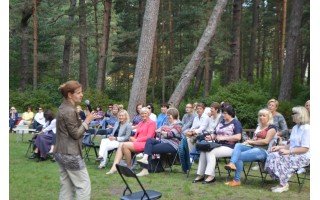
[(144, 194)]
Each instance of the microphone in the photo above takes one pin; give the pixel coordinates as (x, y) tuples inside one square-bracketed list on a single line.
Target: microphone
[(87, 102)]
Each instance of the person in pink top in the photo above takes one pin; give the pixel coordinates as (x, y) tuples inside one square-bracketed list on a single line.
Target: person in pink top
[(146, 129)]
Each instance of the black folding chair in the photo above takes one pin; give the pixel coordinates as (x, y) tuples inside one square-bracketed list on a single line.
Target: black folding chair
[(261, 170), (31, 141), (167, 157), (143, 194), (88, 143)]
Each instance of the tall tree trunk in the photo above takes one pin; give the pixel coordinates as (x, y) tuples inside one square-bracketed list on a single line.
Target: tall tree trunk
[(65, 69), (142, 71), (252, 52), (234, 67), (294, 31), (207, 71), (35, 46), (101, 76), (283, 35), (163, 54), (95, 3), (198, 54), (306, 63), (171, 46), (154, 65), (140, 15), (264, 46), (25, 68), (275, 60), (83, 45), (199, 77)]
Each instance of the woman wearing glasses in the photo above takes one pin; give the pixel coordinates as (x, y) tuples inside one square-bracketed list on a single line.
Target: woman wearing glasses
[(286, 159), (152, 116)]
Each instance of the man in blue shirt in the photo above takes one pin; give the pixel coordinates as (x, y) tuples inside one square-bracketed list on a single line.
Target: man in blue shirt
[(162, 117)]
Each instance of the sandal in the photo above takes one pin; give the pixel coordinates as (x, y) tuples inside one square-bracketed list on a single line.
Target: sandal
[(101, 167)]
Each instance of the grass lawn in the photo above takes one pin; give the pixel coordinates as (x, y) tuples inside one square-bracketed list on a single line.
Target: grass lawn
[(40, 180)]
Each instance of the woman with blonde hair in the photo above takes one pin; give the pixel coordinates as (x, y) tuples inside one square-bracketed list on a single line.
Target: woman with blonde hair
[(121, 133), (286, 159), (253, 149)]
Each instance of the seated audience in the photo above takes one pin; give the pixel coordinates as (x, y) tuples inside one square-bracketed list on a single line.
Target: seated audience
[(39, 119), (109, 123), (215, 116), (284, 160), (81, 113), (253, 149), (27, 117), (13, 117), (110, 107), (136, 118), (43, 140), (278, 119), (167, 141), (146, 129), (152, 115), (162, 117), (120, 133), (227, 133), (100, 114), (188, 118)]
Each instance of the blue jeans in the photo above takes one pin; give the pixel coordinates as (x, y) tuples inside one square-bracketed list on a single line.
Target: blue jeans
[(247, 154)]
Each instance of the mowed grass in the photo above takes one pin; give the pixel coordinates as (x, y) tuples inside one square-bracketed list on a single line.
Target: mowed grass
[(40, 180)]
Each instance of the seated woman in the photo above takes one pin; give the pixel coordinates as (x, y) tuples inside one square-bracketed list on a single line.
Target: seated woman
[(120, 133), (108, 123), (136, 118), (81, 113), (286, 159), (44, 138), (100, 115), (227, 133), (146, 129), (252, 150), (167, 141), (13, 117)]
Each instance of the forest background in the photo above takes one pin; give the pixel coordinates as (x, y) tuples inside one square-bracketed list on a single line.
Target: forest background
[(258, 50)]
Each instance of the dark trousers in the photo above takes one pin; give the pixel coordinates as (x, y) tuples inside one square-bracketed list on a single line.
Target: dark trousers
[(154, 146)]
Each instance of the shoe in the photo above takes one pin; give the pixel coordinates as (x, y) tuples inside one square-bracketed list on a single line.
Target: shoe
[(33, 156), (140, 155), (41, 159), (230, 166), (198, 180), (255, 168), (101, 167), (207, 182), (233, 183), (281, 189), (99, 159), (144, 172), (301, 171), (143, 161), (275, 187)]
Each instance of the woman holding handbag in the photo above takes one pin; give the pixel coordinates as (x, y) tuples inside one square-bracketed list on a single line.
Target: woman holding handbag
[(227, 133)]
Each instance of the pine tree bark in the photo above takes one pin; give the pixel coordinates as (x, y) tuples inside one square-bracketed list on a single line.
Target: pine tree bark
[(24, 67), (101, 76), (199, 77), (198, 54), (294, 31), (65, 69), (234, 66), (207, 72), (283, 35), (83, 79), (252, 52), (96, 36), (142, 71), (171, 46), (275, 60), (35, 46)]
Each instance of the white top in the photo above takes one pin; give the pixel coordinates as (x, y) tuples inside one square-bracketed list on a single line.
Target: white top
[(300, 137), (40, 118), (200, 124), (153, 117), (52, 126), (213, 123), (207, 111)]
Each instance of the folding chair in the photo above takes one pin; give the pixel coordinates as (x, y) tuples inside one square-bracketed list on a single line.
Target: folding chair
[(21, 130), (110, 153), (143, 194), (261, 170), (88, 143), (167, 157), (31, 141), (302, 178)]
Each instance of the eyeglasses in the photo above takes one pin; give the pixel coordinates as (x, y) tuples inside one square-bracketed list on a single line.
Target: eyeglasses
[(293, 113)]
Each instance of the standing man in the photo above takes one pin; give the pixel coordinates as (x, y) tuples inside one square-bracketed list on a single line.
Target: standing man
[(39, 119), (162, 117), (74, 177)]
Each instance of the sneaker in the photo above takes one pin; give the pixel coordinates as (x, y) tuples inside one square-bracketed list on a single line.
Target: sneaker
[(281, 189), (275, 187), (255, 168), (140, 155), (301, 171), (230, 166), (233, 183), (143, 172), (144, 161)]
